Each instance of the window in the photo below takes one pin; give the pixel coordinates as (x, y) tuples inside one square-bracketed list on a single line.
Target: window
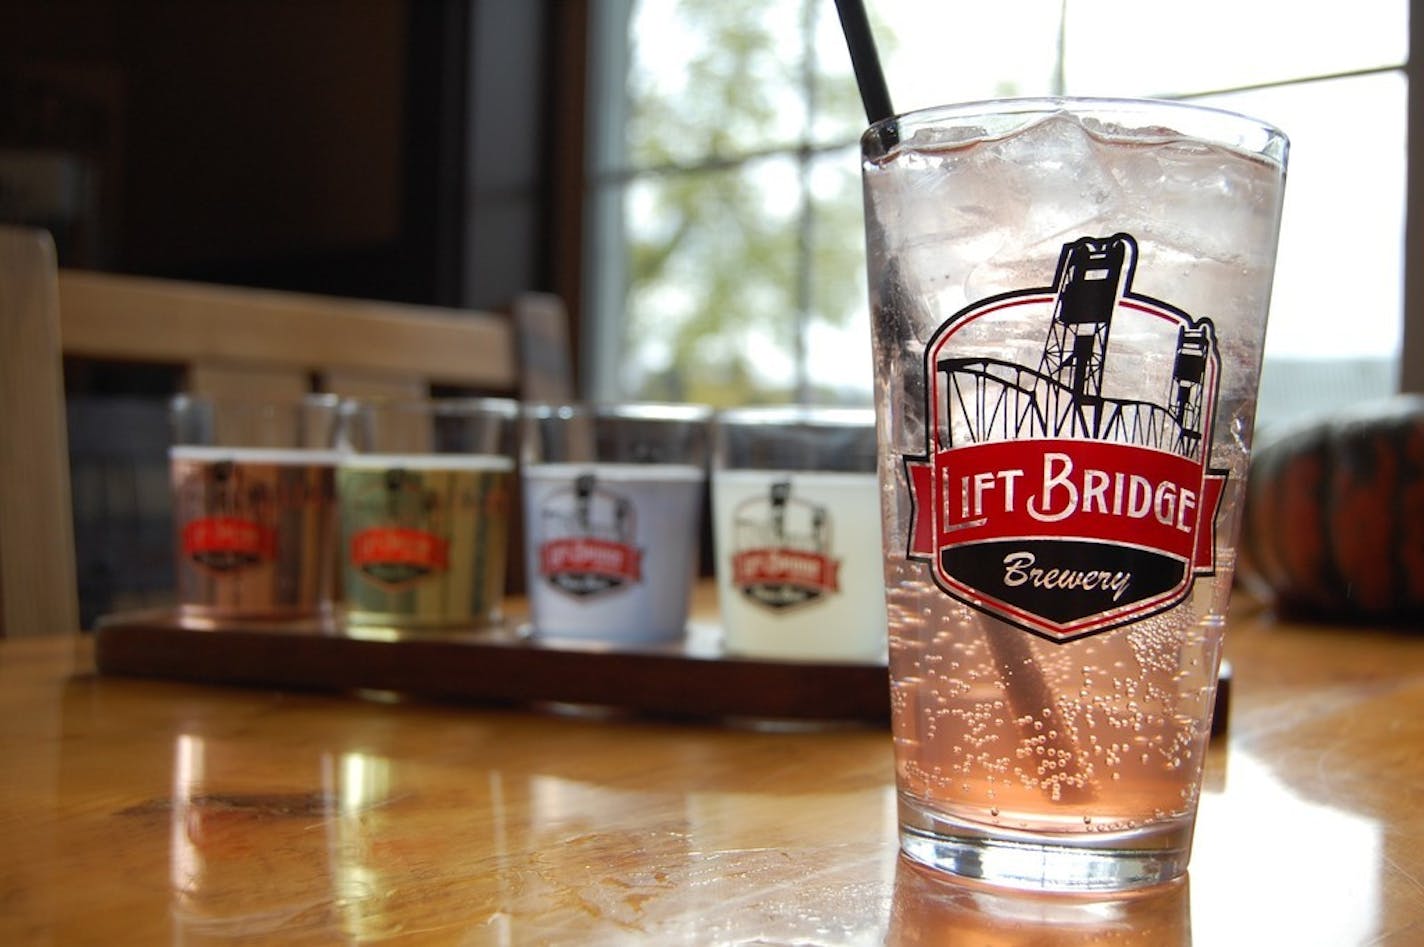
[(726, 263)]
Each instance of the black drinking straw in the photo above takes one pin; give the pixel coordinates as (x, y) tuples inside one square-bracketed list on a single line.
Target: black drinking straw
[(865, 60)]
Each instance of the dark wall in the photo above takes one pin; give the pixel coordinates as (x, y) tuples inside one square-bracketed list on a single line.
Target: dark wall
[(357, 147)]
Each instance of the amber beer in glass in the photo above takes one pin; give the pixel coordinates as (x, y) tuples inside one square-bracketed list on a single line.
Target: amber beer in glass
[(424, 490), (253, 493), (1068, 304)]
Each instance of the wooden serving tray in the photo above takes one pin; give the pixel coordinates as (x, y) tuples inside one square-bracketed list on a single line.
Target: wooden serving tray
[(691, 678)]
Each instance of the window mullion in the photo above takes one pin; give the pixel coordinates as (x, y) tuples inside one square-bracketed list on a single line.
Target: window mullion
[(1411, 376)]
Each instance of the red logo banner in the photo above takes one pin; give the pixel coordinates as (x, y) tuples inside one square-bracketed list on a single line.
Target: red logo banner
[(230, 536), (400, 546), (1062, 489), (779, 565), (586, 555)]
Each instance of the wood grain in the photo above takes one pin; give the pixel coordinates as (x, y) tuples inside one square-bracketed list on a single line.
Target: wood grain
[(143, 811)]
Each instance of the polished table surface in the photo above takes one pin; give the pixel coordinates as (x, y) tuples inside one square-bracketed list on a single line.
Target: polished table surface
[(145, 812)]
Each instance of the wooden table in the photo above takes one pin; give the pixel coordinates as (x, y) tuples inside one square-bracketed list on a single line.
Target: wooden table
[(146, 812)]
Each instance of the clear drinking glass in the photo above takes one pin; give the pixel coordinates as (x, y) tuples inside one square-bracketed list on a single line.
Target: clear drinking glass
[(253, 489), (1068, 301), (796, 520), (424, 491), (613, 497)]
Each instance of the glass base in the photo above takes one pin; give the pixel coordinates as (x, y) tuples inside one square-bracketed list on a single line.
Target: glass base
[(1101, 862), (220, 617)]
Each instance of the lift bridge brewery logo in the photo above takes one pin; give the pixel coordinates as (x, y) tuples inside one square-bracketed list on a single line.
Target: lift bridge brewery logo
[(783, 552), (1041, 500), (591, 535), (238, 515), (397, 526)]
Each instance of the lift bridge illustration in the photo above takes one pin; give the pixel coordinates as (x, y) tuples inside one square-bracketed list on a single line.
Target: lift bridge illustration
[(995, 399)]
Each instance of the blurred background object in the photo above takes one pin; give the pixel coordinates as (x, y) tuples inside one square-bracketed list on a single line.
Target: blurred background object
[(681, 174), (1334, 526)]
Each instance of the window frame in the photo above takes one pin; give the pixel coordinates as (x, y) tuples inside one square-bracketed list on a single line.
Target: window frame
[(601, 294), (1411, 355)]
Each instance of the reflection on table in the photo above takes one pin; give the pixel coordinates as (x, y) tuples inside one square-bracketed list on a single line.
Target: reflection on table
[(142, 811)]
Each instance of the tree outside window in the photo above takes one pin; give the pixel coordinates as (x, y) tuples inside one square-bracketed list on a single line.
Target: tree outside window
[(727, 254)]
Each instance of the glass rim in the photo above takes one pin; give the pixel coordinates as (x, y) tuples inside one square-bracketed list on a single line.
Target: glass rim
[(627, 410), (797, 414), (438, 407), (1198, 121), (186, 399)]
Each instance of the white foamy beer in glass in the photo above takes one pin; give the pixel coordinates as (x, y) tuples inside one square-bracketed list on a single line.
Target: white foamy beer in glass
[(424, 493), (796, 528), (253, 503), (613, 498), (1068, 304)]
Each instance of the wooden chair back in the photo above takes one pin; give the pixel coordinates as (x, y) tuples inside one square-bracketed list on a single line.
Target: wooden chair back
[(225, 340), (238, 340), (37, 581)]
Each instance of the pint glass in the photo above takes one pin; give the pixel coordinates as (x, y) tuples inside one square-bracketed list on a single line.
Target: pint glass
[(253, 485), (1068, 303), (613, 497), (795, 521), (424, 493)]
